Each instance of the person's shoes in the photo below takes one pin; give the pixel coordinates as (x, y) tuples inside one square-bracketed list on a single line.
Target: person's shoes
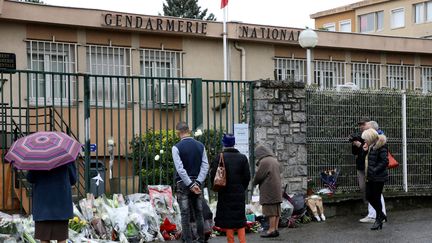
[(377, 225), (323, 218), (384, 218), (367, 220), (317, 218), (270, 235)]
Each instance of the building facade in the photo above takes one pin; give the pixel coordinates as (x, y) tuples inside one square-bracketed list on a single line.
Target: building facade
[(410, 18)]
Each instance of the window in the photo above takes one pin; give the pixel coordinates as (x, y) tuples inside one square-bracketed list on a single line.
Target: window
[(330, 27), (329, 74), (51, 89), (380, 20), (426, 74), (419, 13), (290, 69), (366, 75), (400, 77), (398, 18), (371, 22), (423, 12), (164, 65), (345, 26), (107, 60)]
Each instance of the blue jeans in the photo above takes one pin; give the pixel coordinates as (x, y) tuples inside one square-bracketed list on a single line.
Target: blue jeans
[(190, 205)]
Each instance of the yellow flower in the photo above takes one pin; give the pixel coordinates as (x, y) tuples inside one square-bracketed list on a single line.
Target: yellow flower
[(76, 219), (83, 222)]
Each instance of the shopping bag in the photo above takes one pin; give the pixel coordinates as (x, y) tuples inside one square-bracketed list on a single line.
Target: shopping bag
[(392, 162), (220, 178)]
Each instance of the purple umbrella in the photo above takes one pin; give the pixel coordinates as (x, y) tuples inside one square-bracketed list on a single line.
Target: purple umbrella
[(43, 151)]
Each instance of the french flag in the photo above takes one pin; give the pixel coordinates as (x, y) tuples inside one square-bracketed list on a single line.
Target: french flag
[(224, 3)]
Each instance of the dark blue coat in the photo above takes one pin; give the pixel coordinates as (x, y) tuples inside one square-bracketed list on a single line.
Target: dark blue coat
[(52, 193)]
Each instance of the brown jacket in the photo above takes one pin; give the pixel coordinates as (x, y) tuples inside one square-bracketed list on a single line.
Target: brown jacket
[(268, 176)]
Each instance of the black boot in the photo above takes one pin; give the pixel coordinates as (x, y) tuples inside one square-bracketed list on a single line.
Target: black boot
[(378, 222)]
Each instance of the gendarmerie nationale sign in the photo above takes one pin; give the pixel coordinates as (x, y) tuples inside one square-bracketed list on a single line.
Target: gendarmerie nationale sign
[(178, 25), (269, 33), (155, 24), (7, 61)]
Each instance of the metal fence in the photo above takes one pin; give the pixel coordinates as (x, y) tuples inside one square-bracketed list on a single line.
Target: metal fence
[(406, 120), (125, 123)]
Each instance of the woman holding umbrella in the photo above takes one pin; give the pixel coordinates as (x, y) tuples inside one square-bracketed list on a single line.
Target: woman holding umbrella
[(52, 201), (50, 159)]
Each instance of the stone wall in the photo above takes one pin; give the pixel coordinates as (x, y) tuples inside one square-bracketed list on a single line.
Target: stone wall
[(280, 122)]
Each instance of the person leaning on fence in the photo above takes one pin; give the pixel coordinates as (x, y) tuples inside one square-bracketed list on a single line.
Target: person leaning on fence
[(230, 211), (268, 178), (52, 202), (376, 163), (190, 161), (357, 150)]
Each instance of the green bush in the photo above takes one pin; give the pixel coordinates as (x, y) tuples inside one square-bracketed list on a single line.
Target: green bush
[(152, 151)]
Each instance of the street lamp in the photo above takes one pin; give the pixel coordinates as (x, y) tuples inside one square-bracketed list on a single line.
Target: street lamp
[(308, 39)]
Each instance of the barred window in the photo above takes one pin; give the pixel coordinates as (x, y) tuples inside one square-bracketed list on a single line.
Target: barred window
[(46, 56), (366, 75), (162, 64), (113, 61), (329, 74), (290, 69), (400, 77), (426, 75)]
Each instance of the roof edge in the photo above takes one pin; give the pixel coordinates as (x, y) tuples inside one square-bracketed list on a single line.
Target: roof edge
[(346, 8)]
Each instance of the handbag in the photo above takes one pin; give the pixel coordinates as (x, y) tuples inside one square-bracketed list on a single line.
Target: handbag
[(392, 161), (220, 178)]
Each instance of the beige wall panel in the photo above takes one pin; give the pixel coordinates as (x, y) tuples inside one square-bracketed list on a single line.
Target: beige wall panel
[(336, 18), (156, 42), (45, 32), (396, 58), (12, 36), (104, 38), (328, 54), (365, 56), (426, 60), (290, 51)]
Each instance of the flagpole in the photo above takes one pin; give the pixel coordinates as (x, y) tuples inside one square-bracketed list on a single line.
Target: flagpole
[(225, 44)]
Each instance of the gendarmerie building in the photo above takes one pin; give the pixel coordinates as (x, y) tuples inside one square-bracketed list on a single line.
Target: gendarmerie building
[(55, 46)]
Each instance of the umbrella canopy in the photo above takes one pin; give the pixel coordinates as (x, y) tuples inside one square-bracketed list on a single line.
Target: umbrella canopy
[(43, 151)]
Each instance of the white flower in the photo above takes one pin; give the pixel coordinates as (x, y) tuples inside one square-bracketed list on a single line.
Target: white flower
[(157, 157), (161, 151), (198, 133)]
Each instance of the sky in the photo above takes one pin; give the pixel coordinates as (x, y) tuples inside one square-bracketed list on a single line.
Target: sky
[(288, 13)]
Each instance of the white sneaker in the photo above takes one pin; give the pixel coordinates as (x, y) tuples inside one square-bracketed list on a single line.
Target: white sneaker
[(367, 220), (323, 217), (317, 218)]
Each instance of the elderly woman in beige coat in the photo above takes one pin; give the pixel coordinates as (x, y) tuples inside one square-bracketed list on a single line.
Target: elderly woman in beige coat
[(268, 178)]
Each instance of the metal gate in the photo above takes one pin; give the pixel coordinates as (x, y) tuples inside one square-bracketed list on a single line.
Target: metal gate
[(405, 118), (125, 123)]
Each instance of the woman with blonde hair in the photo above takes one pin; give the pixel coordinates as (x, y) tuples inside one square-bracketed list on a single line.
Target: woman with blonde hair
[(376, 163)]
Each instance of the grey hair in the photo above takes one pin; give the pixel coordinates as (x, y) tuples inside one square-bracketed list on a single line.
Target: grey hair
[(374, 125), (182, 127)]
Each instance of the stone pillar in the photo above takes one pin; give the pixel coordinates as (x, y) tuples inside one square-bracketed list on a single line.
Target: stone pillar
[(280, 123)]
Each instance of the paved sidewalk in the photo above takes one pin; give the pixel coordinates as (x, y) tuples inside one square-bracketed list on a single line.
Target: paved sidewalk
[(404, 226)]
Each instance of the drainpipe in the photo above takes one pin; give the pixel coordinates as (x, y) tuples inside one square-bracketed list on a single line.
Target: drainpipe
[(243, 60)]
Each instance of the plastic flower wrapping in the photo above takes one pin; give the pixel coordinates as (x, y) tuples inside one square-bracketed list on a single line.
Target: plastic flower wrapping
[(135, 218)]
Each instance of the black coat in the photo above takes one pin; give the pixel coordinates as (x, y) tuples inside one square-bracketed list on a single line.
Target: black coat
[(377, 165), (230, 211), (360, 156)]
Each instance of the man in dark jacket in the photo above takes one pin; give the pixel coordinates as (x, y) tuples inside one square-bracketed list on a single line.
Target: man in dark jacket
[(191, 164)]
